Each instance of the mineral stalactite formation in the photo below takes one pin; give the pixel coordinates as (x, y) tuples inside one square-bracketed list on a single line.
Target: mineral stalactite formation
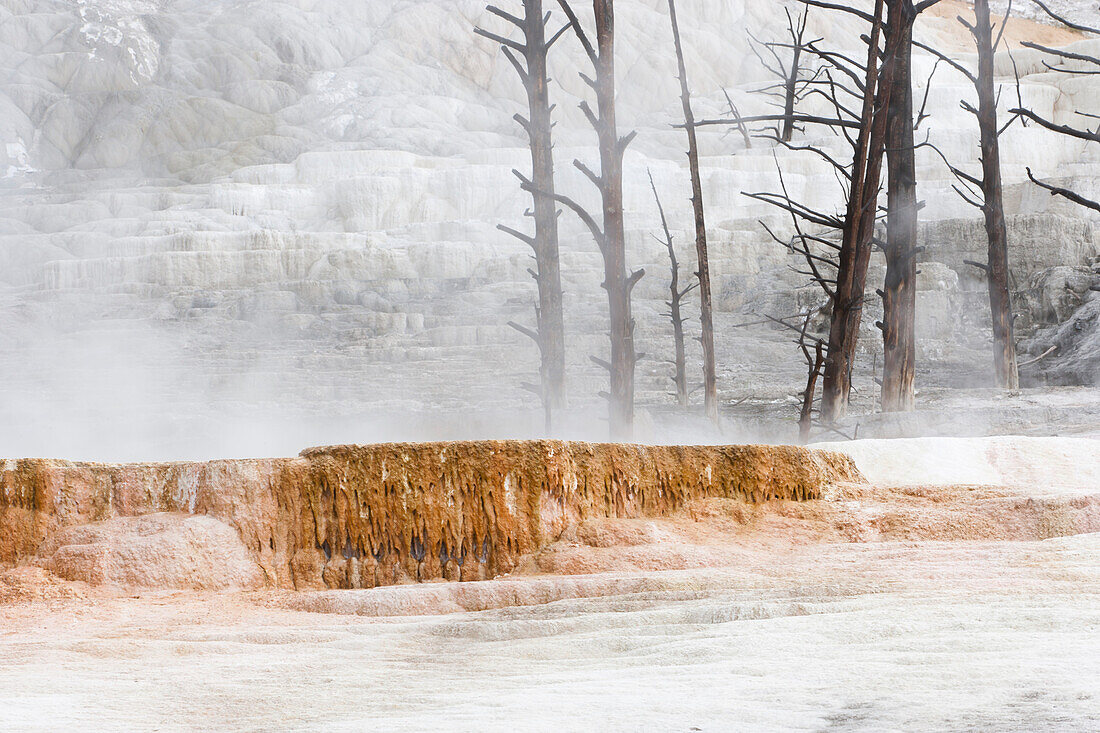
[(362, 516)]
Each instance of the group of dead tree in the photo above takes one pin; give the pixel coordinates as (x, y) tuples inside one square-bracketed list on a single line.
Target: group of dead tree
[(529, 58), (873, 101), (872, 107)]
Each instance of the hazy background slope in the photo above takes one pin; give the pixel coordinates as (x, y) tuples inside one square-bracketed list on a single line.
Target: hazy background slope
[(242, 227)]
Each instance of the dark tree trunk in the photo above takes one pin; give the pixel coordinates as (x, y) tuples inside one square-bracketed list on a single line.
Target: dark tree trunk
[(675, 303), (899, 291), (1004, 342), (706, 317), (550, 319), (610, 237), (550, 329), (806, 417), (618, 284), (790, 91), (859, 226), (770, 55), (678, 336)]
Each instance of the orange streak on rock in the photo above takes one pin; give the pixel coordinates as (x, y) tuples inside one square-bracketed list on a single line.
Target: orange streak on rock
[(362, 516)]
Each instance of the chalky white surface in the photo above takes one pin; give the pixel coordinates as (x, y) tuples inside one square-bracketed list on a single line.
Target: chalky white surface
[(912, 635)]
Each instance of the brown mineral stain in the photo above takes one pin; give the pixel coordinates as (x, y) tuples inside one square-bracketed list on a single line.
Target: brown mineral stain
[(363, 516)]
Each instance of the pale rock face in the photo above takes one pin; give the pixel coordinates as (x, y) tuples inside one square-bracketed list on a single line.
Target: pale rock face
[(153, 551), (1076, 11), (223, 224)]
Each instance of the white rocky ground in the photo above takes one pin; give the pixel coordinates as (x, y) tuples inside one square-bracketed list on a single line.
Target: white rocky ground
[(990, 636), (992, 629), (234, 227)]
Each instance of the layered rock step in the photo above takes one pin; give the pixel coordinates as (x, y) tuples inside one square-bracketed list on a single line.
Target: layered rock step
[(362, 516)]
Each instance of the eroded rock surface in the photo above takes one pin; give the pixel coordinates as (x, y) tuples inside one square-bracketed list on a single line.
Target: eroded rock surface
[(1075, 344), (162, 550), (362, 516)]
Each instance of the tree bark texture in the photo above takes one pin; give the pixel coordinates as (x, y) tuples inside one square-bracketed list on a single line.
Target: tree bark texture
[(899, 290), (616, 281), (859, 226), (1000, 303)]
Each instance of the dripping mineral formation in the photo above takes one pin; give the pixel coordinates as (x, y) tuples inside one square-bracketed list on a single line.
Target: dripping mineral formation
[(363, 516)]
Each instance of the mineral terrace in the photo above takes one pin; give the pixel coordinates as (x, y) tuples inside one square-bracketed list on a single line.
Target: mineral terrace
[(908, 584)]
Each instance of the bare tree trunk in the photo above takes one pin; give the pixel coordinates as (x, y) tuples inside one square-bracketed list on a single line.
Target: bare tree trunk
[(675, 302), (787, 89), (790, 92), (745, 134), (1004, 342), (678, 337), (806, 417), (706, 316), (619, 285), (815, 363), (859, 226), (551, 321), (611, 236), (550, 329), (899, 291)]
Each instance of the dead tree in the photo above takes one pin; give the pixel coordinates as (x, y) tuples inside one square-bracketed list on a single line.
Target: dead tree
[(841, 269), (706, 313), (1000, 299), (885, 129), (784, 59), (1067, 62), (899, 293), (813, 350), (986, 192), (858, 231), (610, 236), (529, 60), (815, 362), (675, 305), (739, 125), (885, 125)]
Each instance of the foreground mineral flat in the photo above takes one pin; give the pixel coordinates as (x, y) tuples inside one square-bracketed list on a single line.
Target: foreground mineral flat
[(958, 590)]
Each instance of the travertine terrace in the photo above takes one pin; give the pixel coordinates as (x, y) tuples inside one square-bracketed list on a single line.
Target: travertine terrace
[(361, 516), (956, 588), (235, 228)]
